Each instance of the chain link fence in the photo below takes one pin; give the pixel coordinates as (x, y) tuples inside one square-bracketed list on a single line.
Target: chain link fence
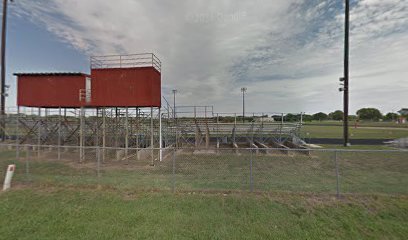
[(218, 170)]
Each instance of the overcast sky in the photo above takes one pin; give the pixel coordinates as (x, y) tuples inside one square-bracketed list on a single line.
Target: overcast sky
[(288, 53)]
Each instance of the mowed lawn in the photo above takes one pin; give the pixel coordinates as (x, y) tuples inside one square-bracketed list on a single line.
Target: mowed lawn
[(57, 213), (327, 131), (359, 172), (294, 198)]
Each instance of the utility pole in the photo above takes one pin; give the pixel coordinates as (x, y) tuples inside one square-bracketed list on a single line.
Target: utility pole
[(346, 72), (243, 90), (345, 78), (3, 71)]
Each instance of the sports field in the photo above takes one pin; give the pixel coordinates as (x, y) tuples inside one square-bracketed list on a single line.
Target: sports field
[(293, 198), (56, 213), (208, 197), (370, 130)]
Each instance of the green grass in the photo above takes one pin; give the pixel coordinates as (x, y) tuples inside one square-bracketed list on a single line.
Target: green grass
[(293, 199), (360, 172), (361, 124), (357, 147), (85, 214), (316, 131)]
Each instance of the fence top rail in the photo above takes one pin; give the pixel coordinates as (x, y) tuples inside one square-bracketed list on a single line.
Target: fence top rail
[(404, 151)]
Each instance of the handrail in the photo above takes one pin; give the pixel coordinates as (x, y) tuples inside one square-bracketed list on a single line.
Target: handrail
[(126, 61)]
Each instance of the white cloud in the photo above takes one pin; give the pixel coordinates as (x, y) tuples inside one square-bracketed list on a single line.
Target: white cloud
[(288, 53)]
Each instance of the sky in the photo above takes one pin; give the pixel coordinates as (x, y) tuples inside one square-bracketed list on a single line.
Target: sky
[(287, 53)]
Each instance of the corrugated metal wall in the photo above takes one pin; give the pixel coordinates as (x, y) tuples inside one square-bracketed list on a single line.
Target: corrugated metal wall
[(126, 87), (50, 90), (111, 87)]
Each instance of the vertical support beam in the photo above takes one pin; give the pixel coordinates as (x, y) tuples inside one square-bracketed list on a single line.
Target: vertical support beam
[(126, 132), (281, 128), (137, 132), (197, 138), (116, 127), (39, 133), (81, 135), (160, 137), (59, 133), (18, 134), (97, 132), (218, 132), (151, 135), (207, 132), (103, 133), (168, 111), (46, 133)]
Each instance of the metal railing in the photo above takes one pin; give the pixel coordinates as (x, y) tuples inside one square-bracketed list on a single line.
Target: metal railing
[(324, 171), (126, 61)]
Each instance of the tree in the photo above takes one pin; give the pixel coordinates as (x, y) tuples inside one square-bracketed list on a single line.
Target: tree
[(320, 116), (369, 114), (307, 118), (336, 115), (391, 116), (291, 117)]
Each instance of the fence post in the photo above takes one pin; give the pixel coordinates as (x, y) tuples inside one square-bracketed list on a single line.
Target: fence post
[(337, 175), (59, 133), (27, 165), (39, 134), (174, 171), (251, 184), (98, 163)]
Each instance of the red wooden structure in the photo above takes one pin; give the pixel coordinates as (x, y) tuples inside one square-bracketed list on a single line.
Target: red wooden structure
[(50, 90), (126, 87), (115, 81)]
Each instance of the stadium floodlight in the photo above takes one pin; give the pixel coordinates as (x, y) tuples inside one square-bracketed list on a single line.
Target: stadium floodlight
[(174, 103), (345, 78), (243, 90)]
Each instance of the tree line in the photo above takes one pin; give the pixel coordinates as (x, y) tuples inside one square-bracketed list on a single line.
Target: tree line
[(370, 114)]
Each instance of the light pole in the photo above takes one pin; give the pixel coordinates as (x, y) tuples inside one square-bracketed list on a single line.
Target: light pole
[(3, 70), (174, 103), (346, 72), (243, 90)]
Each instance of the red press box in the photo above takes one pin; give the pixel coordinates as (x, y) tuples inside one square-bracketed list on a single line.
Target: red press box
[(50, 90), (115, 81), (126, 87)]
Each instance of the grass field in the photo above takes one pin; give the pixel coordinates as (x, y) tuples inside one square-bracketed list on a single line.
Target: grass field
[(360, 172), (53, 213), (361, 124), (327, 131), (293, 198)]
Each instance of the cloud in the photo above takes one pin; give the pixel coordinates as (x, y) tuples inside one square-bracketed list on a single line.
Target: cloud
[(288, 53)]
